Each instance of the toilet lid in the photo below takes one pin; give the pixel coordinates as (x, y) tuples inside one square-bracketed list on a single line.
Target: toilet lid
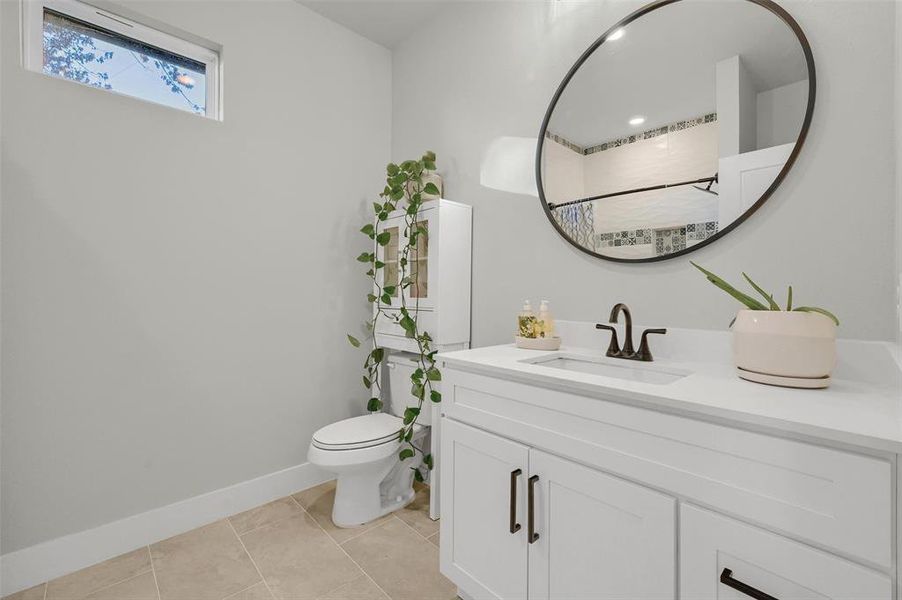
[(359, 432)]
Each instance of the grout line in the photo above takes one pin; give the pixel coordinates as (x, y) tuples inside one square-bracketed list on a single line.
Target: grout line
[(375, 525), (129, 578), (362, 570), (411, 527), (247, 588), (415, 492), (268, 523), (253, 562), (154, 571), (108, 586)]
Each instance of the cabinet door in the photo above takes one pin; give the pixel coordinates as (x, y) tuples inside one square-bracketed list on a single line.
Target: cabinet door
[(420, 261), (600, 537), (479, 551), (421, 268), (389, 275), (725, 559)]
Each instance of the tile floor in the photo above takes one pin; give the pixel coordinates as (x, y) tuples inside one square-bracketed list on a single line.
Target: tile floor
[(285, 550)]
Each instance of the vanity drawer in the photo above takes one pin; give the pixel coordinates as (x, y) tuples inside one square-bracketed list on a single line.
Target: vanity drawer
[(719, 555), (819, 495)]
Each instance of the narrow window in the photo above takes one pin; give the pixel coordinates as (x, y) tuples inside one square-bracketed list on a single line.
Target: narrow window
[(75, 41)]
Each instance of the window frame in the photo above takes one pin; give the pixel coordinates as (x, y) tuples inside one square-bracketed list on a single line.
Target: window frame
[(33, 44)]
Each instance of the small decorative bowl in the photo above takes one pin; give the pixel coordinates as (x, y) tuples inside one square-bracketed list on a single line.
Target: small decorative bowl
[(549, 343)]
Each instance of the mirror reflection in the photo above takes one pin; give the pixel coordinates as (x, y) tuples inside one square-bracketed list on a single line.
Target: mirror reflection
[(674, 128)]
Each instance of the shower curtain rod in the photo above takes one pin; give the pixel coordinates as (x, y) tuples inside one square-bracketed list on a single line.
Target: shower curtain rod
[(709, 180)]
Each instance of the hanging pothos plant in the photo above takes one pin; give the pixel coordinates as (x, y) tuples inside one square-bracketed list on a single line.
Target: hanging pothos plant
[(404, 191)]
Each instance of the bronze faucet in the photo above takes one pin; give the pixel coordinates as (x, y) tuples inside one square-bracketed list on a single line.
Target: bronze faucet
[(627, 352)]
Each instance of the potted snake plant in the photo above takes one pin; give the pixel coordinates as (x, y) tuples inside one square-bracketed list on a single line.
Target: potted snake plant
[(795, 342)]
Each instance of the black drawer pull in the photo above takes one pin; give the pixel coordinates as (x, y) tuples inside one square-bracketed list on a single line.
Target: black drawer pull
[(531, 534), (726, 578), (514, 526)]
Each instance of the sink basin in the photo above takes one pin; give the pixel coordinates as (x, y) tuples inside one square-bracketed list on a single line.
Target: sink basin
[(630, 371)]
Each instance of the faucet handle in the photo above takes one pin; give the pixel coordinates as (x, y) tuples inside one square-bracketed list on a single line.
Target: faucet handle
[(644, 353), (614, 346)]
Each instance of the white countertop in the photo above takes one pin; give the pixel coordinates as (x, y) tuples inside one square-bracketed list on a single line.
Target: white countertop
[(864, 413)]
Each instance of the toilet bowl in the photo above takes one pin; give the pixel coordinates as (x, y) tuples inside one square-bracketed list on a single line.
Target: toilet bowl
[(362, 452)]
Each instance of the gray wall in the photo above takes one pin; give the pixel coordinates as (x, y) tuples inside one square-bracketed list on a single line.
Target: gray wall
[(486, 70), (175, 290), (898, 155)]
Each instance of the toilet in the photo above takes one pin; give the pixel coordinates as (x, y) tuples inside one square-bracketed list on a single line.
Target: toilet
[(362, 452)]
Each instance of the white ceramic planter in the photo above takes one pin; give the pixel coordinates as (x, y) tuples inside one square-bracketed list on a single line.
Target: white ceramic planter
[(429, 177), (785, 344)]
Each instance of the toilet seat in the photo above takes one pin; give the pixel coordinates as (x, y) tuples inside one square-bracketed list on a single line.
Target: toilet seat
[(356, 433)]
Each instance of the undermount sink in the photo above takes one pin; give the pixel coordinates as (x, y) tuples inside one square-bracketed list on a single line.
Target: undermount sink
[(607, 368)]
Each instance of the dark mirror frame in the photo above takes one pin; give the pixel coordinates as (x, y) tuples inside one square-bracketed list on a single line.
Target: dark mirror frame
[(812, 86)]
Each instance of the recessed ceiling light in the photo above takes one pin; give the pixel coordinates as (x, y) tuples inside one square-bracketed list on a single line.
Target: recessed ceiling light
[(618, 33), (637, 120)]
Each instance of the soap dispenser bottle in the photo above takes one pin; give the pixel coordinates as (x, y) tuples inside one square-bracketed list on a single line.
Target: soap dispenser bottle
[(526, 322), (545, 325)]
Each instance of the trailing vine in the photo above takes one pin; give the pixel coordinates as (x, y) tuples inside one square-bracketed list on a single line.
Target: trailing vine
[(404, 191)]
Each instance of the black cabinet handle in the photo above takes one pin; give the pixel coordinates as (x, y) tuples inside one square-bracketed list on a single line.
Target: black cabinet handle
[(726, 578), (531, 534), (514, 526)]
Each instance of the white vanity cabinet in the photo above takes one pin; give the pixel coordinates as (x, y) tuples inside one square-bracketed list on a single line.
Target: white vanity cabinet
[(439, 266), (631, 501), (517, 508)]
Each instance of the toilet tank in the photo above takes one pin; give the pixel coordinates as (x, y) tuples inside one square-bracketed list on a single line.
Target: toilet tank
[(399, 368)]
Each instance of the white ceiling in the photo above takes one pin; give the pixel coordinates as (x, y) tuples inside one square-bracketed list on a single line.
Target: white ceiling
[(385, 22), (663, 68)]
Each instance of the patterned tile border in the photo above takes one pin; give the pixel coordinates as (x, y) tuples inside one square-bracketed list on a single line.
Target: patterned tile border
[(666, 241), (564, 142), (645, 135)]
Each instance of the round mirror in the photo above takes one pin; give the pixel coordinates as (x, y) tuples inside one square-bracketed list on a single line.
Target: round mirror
[(675, 126)]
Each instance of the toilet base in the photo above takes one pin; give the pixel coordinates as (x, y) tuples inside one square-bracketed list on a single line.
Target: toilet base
[(338, 517), (366, 494)]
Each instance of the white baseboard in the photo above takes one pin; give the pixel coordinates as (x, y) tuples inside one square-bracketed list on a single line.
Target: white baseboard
[(42, 562)]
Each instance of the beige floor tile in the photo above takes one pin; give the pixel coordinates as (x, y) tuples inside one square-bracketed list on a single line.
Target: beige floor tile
[(416, 514), (297, 560), (142, 587), (264, 515), (255, 592), (361, 588), (81, 583), (402, 562), (310, 496), (207, 563), (318, 502), (434, 538), (34, 593)]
